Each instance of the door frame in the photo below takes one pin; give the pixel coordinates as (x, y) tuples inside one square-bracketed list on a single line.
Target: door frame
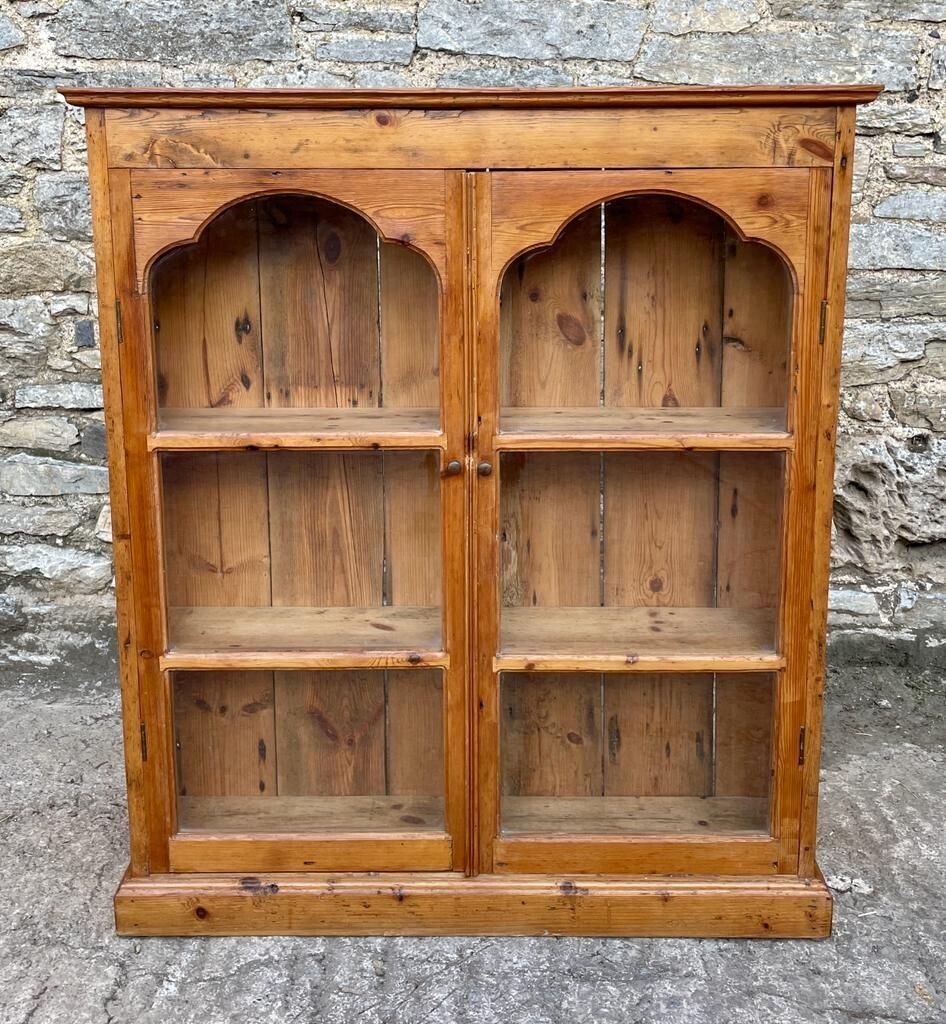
[(520, 211)]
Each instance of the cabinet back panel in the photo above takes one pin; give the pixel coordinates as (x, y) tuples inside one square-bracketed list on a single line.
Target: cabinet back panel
[(280, 304)]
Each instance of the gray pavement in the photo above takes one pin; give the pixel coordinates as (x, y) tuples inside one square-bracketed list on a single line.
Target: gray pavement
[(62, 850)]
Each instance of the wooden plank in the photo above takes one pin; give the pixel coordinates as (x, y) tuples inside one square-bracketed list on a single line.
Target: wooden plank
[(745, 711), (663, 294), (603, 428), (366, 851), (415, 733), (223, 736), (325, 529), (471, 138), (204, 638), (750, 530), (551, 737), (637, 639), (410, 330), (206, 314), (659, 736), (310, 814), (449, 904), (662, 96), (549, 530), (413, 576), (550, 321), (319, 301), (757, 326), (216, 540), (659, 529), (180, 429), (634, 815), (330, 733), (659, 853)]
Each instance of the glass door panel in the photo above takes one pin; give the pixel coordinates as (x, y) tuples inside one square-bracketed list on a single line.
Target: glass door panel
[(309, 752), (288, 550), (636, 754), (290, 316)]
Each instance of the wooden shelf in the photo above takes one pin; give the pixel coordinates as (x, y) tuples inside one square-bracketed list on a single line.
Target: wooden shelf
[(282, 638), (637, 815), (637, 639), (182, 429), (730, 429), (309, 814)]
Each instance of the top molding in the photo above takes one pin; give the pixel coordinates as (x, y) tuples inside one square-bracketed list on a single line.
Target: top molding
[(468, 99)]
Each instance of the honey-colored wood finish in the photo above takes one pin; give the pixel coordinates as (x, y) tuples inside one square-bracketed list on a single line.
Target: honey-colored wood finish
[(472, 526)]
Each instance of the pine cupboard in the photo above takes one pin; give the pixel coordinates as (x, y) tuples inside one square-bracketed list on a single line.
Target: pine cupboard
[(471, 474)]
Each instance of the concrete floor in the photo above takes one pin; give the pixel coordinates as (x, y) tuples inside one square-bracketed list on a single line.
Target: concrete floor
[(62, 849)]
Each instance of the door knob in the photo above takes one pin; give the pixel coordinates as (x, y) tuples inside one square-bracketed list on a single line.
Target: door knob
[(484, 468), (453, 467)]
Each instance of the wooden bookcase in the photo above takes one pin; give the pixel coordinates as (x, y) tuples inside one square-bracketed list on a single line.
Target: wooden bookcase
[(471, 471)]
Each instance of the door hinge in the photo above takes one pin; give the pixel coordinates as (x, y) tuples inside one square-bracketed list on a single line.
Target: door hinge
[(823, 321), (144, 742), (118, 321), (801, 745)]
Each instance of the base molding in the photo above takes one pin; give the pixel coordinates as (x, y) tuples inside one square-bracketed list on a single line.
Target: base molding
[(773, 906)]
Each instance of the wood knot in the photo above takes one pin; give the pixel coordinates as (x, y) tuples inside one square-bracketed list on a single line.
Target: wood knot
[(571, 330)]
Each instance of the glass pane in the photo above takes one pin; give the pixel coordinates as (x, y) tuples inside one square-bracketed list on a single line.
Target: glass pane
[(345, 545), (287, 309), (636, 753), (647, 313), (353, 751), (640, 552)]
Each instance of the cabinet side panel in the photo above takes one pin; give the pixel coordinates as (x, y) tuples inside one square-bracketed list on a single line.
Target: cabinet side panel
[(743, 752), (205, 310), (118, 494), (319, 292)]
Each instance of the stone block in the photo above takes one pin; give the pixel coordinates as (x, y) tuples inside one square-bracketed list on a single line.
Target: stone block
[(876, 351), (37, 520), (883, 244), (42, 266), (80, 571), (914, 205), (32, 135), (52, 433), (34, 475), (71, 395), (62, 202)]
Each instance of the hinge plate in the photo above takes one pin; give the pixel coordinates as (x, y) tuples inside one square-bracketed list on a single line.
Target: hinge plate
[(801, 745), (118, 322), (822, 323), (144, 742)]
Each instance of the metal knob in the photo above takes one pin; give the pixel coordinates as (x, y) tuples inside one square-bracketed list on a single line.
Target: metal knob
[(453, 467), (484, 468)]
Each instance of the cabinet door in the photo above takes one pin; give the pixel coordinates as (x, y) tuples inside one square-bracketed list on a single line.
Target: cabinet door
[(294, 392), (646, 370)]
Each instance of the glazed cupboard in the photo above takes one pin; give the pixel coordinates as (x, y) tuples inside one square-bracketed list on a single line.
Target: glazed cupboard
[(471, 470)]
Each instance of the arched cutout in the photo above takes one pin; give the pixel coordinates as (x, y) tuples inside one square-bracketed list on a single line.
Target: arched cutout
[(293, 301), (647, 301)]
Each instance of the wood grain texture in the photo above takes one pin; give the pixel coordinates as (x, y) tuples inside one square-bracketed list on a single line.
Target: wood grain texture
[(172, 207), (663, 294), (205, 304), (296, 815), (391, 138), (745, 709), (224, 734), (319, 291), (419, 904), (639, 639), (551, 321), (555, 98)]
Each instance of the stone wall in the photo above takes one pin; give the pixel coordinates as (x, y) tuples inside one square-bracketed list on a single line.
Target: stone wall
[(56, 598)]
